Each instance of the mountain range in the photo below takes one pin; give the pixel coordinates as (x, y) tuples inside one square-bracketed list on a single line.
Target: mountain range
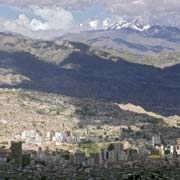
[(83, 71), (134, 37), (137, 24)]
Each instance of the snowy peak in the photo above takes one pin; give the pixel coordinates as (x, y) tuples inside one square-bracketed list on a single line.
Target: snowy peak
[(138, 25), (119, 25)]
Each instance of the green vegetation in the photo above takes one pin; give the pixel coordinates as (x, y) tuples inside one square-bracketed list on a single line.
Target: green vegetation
[(90, 148)]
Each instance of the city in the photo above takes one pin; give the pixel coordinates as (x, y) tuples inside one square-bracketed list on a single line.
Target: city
[(65, 156), (89, 90)]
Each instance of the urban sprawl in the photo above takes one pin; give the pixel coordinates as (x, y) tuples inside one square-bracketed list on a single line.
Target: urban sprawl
[(70, 156)]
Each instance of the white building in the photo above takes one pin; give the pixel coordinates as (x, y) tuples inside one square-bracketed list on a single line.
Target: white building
[(31, 137), (156, 140)]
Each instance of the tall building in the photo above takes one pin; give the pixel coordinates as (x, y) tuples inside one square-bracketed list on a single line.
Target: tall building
[(178, 149), (118, 149), (77, 138), (95, 159), (104, 154), (156, 140), (16, 153), (26, 160), (174, 152), (79, 157), (178, 141), (112, 157)]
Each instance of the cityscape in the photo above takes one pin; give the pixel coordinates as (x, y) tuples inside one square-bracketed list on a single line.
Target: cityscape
[(89, 90), (65, 156)]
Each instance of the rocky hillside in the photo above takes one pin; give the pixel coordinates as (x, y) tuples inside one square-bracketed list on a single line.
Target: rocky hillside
[(24, 109), (81, 71)]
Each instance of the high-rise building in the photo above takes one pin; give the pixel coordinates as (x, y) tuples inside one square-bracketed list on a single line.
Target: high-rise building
[(156, 140), (26, 160), (174, 152), (79, 157), (112, 157), (16, 153), (118, 149), (104, 154), (178, 141), (96, 158)]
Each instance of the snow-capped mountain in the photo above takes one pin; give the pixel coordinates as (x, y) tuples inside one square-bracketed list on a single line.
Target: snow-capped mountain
[(138, 25), (134, 36)]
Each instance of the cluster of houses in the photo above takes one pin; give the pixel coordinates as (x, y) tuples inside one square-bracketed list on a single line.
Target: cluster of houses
[(65, 162), (112, 153), (35, 137), (160, 148), (165, 149)]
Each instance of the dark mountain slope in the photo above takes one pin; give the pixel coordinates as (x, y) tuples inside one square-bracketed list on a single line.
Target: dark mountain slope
[(82, 73)]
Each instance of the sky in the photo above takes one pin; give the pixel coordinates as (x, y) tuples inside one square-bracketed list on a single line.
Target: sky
[(48, 18)]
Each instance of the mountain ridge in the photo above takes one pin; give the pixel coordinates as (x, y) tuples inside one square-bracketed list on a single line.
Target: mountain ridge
[(138, 25), (78, 70), (151, 40)]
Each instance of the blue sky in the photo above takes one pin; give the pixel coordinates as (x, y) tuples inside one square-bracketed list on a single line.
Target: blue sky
[(50, 17), (8, 12), (94, 11), (32, 20)]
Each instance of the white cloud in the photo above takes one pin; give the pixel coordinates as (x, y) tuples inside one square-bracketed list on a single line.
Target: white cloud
[(70, 4), (46, 19), (106, 22), (151, 11), (55, 17), (23, 19), (37, 25), (138, 2), (155, 11), (50, 16), (94, 24), (33, 25)]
